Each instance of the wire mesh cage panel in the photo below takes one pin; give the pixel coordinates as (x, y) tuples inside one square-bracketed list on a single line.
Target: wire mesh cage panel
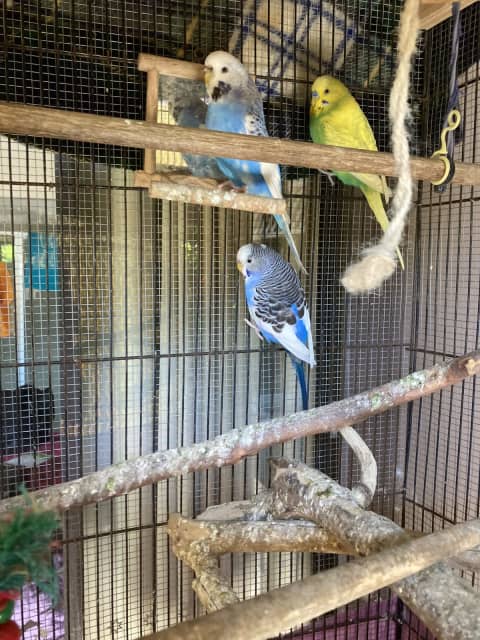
[(124, 328)]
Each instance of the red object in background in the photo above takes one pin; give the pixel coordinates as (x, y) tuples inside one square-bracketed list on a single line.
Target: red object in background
[(6, 596), (10, 631)]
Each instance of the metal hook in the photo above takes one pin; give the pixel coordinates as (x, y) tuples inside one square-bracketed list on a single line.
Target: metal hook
[(453, 121)]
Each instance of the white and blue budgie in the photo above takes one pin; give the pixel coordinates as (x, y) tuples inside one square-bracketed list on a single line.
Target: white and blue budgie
[(277, 305), (236, 107)]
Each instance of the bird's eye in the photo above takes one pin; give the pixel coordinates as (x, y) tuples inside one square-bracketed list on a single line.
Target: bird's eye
[(249, 260), (224, 69), (314, 94), (327, 91)]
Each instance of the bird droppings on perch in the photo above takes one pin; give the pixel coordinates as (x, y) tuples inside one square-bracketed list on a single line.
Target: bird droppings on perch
[(235, 445)]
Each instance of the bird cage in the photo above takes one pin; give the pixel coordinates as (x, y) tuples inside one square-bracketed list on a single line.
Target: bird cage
[(137, 403)]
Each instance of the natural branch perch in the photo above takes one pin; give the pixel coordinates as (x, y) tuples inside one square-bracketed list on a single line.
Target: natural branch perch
[(281, 609), (222, 529), (444, 602), (303, 491), (67, 125), (199, 542), (235, 445), (343, 528), (363, 492)]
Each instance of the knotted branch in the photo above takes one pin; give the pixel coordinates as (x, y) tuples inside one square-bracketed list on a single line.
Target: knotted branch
[(444, 602)]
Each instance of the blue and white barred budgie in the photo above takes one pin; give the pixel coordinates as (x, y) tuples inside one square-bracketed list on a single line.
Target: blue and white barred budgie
[(277, 305), (236, 107)]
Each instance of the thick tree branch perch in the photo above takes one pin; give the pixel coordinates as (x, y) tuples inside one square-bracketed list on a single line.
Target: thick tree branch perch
[(343, 527), (199, 542), (239, 443), (281, 609), (217, 537), (297, 489), (67, 125)]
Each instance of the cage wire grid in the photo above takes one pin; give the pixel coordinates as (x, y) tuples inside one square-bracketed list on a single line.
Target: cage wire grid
[(130, 310)]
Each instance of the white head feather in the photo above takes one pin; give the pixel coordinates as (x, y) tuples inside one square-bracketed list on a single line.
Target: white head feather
[(224, 74)]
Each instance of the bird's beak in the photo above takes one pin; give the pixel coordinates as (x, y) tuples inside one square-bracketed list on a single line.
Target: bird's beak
[(207, 70), (316, 107), (240, 268)]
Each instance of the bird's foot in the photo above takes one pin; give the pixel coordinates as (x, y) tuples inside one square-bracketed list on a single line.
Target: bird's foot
[(329, 175), (255, 328), (228, 185)]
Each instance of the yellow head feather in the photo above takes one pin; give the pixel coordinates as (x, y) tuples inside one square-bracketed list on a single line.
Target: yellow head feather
[(326, 93)]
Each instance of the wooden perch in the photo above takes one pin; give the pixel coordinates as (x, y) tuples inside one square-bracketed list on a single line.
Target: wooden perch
[(433, 12), (199, 542), (281, 609), (184, 187), (170, 67), (434, 596), (19, 119), (222, 529), (235, 445), (445, 603)]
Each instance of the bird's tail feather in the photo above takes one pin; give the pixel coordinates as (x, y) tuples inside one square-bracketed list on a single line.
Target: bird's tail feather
[(374, 199), (285, 229), (298, 364)]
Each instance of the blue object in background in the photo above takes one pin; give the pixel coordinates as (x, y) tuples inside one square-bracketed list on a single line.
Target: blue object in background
[(41, 251)]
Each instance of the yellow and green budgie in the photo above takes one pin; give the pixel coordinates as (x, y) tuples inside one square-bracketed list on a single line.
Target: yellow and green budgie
[(337, 119)]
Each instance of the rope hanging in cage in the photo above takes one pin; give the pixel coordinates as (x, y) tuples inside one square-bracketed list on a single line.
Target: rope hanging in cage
[(379, 262)]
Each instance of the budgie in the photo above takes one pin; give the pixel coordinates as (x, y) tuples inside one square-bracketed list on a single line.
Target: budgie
[(337, 119), (236, 107), (277, 306)]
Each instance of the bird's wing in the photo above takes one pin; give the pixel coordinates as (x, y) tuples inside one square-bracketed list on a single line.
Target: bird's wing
[(284, 322), (286, 337), (347, 126), (376, 183), (308, 328), (272, 177), (255, 126), (254, 120)]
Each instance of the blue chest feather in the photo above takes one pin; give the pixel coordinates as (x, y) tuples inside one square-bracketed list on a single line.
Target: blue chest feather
[(231, 118)]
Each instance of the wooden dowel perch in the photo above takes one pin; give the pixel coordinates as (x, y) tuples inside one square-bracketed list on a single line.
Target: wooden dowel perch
[(444, 602), (67, 125), (235, 445), (205, 191), (170, 67), (281, 609)]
